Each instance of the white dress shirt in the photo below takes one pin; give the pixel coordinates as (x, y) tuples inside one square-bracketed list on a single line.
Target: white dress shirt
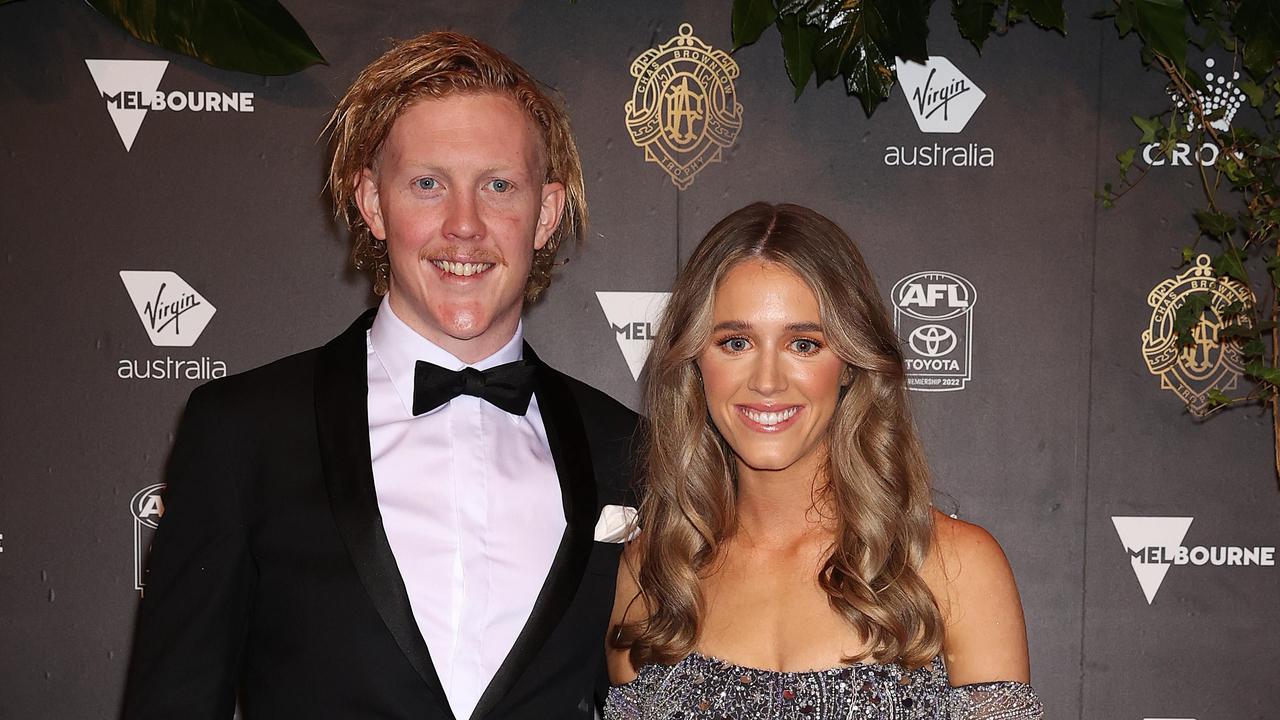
[(471, 505)]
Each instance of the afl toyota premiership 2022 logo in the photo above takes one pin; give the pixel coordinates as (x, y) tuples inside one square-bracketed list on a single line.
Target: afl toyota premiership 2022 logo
[(684, 109), (1210, 362), (933, 314)]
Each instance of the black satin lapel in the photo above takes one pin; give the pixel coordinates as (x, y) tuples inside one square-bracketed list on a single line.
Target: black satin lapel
[(567, 437), (342, 419)]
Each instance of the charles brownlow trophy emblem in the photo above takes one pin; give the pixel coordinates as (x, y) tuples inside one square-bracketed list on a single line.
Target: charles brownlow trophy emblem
[(684, 109), (1210, 361)]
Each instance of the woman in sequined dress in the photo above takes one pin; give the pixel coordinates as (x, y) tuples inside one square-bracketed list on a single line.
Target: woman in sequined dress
[(790, 562)]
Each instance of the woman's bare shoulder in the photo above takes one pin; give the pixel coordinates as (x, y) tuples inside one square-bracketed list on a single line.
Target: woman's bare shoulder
[(628, 607), (973, 584)]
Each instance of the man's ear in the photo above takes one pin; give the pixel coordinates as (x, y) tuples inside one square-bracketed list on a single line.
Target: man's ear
[(367, 200), (549, 214)]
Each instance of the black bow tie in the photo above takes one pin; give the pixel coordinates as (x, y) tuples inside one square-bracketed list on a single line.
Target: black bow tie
[(507, 387)]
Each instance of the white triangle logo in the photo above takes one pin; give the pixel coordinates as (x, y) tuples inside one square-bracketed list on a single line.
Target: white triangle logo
[(941, 97), (1139, 533), (634, 318), (116, 76), (171, 311)]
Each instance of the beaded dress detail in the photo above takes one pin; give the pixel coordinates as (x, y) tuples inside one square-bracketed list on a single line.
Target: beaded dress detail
[(705, 688)]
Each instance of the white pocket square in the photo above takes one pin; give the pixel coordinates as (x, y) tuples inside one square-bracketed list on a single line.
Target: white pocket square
[(617, 524)]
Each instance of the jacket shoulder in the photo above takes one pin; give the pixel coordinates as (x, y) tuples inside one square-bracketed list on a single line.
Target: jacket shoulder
[(598, 408), (259, 391)]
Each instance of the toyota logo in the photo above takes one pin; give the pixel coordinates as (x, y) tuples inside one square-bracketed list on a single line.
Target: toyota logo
[(932, 340)]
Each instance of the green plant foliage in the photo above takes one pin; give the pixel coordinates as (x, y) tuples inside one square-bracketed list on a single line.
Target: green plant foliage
[(1160, 23), (1241, 192), (976, 19), (253, 36), (1257, 24), (859, 40)]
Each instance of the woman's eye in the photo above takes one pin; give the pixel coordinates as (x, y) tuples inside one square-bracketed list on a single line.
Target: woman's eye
[(805, 347), (500, 186), (735, 344), (426, 183)]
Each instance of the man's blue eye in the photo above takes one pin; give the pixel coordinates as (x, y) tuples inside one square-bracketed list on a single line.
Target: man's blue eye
[(426, 183), (500, 185)]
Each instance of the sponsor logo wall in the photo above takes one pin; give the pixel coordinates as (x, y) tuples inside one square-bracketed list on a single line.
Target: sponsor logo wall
[(1031, 323)]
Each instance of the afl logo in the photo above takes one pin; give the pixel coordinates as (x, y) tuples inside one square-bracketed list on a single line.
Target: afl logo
[(147, 507), (933, 314), (932, 295), (684, 108)]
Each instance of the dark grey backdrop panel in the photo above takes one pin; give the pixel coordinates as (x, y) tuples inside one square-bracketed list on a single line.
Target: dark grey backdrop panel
[(1205, 647), (1059, 429)]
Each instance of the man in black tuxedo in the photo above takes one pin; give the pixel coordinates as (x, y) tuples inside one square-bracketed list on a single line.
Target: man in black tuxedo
[(404, 522)]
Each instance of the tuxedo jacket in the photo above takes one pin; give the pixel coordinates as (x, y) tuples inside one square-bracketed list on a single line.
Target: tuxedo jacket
[(271, 580)]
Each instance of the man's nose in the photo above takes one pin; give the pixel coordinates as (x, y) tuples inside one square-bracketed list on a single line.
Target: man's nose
[(462, 217)]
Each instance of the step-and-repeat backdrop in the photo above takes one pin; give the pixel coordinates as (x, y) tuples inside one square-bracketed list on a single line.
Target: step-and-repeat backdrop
[(147, 250)]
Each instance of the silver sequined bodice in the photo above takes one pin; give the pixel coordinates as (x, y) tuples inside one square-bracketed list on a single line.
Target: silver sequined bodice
[(704, 688)]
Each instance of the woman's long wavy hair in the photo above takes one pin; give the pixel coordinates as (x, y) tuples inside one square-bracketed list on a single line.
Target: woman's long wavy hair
[(876, 489)]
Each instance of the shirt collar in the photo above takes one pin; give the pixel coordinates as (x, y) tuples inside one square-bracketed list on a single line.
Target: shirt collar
[(399, 348)]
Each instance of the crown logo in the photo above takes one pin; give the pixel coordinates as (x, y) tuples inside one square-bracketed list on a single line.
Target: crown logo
[(1220, 95)]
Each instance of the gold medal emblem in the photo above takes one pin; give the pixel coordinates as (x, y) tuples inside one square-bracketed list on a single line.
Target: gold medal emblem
[(1210, 362), (684, 109)]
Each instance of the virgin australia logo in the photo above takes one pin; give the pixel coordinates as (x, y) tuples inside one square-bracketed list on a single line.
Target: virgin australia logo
[(942, 99), (171, 311)]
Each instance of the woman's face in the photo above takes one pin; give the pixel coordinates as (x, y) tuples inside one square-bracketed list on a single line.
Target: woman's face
[(771, 381)]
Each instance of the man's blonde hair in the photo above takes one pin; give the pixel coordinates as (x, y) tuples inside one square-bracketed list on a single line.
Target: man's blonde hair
[(432, 66)]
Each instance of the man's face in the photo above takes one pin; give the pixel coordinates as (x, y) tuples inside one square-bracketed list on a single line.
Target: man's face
[(459, 198)]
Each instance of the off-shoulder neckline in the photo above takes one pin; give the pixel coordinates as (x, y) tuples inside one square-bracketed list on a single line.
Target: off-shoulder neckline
[(937, 664)]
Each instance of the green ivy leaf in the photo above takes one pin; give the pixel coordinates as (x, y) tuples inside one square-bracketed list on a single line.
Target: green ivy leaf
[(1216, 398), (1148, 126), (750, 19), (798, 41), (1125, 158), (252, 36), (1260, 370), (1253, 348), (1215, 224), (975, 18), (1188, 254), (1231, 264), (1257, 24), (907, 28), (1048, 14), (1253, 90), (1187, 316), (1161, 24)]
